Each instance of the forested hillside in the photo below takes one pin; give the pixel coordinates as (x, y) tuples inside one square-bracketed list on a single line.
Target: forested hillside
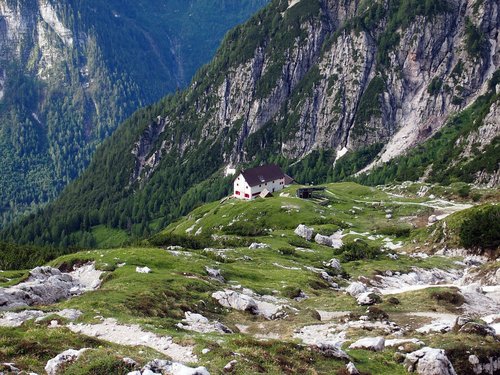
[(326, 89), (72, 70)]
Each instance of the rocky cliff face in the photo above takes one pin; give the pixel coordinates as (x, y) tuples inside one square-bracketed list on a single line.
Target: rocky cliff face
[(340, 84)]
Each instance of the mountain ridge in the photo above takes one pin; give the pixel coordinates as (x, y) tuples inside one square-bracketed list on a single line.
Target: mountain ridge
[(294, 85)]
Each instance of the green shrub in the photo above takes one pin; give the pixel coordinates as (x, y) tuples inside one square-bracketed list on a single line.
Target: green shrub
[(189, 242), (453, 297), (299, 242), (435, 86), (287, 251), (357, 250), (244, 229), (396, 230), (481, 228)]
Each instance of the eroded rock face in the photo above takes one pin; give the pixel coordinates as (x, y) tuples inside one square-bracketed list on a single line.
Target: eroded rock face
[(429, 361), (488, 366), (356, 288)]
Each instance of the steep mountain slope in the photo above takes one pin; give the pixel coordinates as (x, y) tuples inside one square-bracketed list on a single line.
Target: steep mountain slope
[(71, 71), (299, 84)]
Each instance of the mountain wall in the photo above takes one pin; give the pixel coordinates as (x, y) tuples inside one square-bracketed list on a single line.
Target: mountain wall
[(325, 88)]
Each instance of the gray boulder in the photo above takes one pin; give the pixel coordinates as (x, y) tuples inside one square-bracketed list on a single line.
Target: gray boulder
[(257, 245), (215, 274), (304, 232), (351, 369), (323, 240), (356, 288), (234, 300), (368, 298), (376, 344), (334, 264), (332, 351), (429, 361), (53, 365)]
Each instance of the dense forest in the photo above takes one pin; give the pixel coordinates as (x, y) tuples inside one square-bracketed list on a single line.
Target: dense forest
[(61, 99)]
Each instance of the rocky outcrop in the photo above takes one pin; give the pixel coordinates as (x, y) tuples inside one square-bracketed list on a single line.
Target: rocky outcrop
[(267, 306), (376, 344), (304, 232), (429, 361), (198, 323), (62, 359), (47, 285), (16, 319)]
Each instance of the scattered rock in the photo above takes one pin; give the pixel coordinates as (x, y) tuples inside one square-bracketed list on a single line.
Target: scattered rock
[(325, 276), (489, 366), (304, 232), (129, 362), (332, 351), (198, 323), (323, 240), (351, 369), (10, 367), (376, 344), (334, 264), (432, 219), (205, 351), (164, 367), (142, 269), (65, 357), (230, 366), (477, 329), (257, 245), (368, 298), (356, 288), (267, 306), (429, 361), (215, 274), (235, 300)]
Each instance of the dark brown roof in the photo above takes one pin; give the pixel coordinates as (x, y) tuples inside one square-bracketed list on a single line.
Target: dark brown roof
[(262, 174)]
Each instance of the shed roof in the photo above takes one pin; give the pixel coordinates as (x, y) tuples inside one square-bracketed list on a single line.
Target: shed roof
[(262, 174)]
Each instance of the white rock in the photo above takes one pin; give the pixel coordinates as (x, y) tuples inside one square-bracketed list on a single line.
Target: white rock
[(234, 300), (205, 351), (366, 299), (333, 263), (304, 232), (198, 323), (230, 366), (429, 361), (370, 343), (432, 219), (351, 369), (215, 274), (397, 342), (159, 367), (55, 363), (323, 240), (356, 288), (142, 269), (257, 245)]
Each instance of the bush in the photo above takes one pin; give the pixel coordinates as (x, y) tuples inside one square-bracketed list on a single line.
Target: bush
[(287, 251), (244, 229), (357, 250), (453, 297), (481, 228), (299, 242), (395, 230), (189, 242)]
